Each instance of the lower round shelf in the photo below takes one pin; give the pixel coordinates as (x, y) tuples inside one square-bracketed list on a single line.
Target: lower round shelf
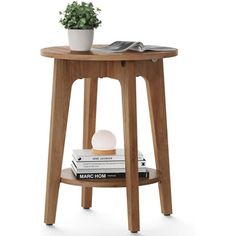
[(68, 177)]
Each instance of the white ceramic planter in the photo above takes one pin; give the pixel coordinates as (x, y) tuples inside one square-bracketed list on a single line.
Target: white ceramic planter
[(80, 40)]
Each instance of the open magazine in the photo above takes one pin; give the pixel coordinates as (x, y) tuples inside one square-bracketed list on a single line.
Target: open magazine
[(122, 46)]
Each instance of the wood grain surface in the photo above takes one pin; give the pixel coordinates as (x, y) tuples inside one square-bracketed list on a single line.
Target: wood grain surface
[(63, 52)]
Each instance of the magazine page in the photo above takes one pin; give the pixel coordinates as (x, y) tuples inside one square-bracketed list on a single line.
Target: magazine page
[(118, 46), (158, 48), (138, 46)]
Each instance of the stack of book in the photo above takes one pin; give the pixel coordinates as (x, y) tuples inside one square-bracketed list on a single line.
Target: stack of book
[(86, 165)]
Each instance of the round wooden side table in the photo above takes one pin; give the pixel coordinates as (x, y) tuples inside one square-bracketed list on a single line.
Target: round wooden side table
[(125, 67)]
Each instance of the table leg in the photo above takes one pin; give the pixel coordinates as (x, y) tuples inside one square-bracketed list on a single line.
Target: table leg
[(128, 87), (89, 126), (59, 112), (157, 108)]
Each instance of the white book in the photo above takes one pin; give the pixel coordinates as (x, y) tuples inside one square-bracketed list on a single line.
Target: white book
[(110, 170), (105, 164), (87, 155)]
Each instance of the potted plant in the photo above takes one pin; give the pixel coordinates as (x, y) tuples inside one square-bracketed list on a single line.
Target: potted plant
[(80, 20)]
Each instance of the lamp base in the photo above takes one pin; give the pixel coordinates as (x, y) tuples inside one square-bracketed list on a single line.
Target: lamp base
[(104, 152)]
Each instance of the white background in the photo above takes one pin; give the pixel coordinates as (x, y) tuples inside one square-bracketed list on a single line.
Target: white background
[(201, 98)]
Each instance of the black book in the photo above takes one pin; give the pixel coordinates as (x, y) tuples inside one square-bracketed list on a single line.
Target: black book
[(107, 175)]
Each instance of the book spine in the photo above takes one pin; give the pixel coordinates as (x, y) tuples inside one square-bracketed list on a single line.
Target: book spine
[(104, 165), (101, 158)]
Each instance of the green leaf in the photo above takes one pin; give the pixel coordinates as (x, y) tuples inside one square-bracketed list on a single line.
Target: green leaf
[(80, 16)]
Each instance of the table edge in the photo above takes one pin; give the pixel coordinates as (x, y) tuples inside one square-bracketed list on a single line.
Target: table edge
[(109, 57)]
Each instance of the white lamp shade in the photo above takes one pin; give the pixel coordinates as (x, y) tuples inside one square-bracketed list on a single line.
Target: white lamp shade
[(104, 140)]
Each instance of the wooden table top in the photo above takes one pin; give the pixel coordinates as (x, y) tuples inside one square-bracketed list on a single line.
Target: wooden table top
[(63, 52)]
